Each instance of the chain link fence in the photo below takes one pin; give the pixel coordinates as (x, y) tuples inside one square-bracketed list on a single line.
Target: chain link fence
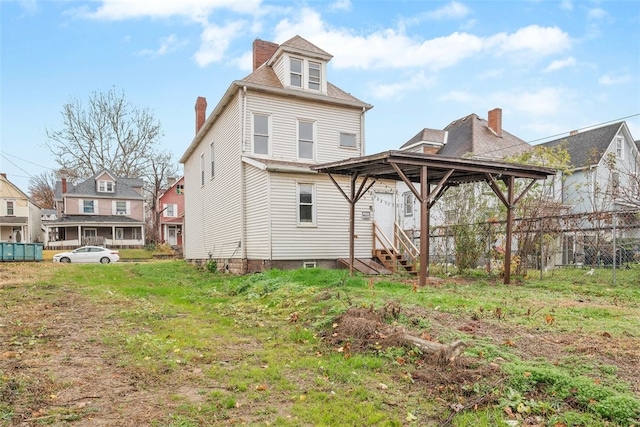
[(596, 240)]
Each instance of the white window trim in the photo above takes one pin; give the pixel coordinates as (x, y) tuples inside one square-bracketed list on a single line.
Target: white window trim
[(305, 74), (253, 134), (212, 160), (127, 207), (619, 147), (202, 170), (313, 222), (313, 141), (81, 207), (166, 211), (408, 201), (349, 147), (319, 82), (13, 208), (301, 74), (103, 186)]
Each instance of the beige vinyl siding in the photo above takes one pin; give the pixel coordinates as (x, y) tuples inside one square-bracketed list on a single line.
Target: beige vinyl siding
[(213, 213), (104, 206), (258, 217), (329, 237), (329, 121)]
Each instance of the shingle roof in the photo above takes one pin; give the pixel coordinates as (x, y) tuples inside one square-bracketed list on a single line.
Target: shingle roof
[(299, 43), (587, 148), (471, 135), (427, 135), (123, 188)]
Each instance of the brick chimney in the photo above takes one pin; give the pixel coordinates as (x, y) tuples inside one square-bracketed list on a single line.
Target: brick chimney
[(495, 121), (262, 51), (64, 186), (201, 112)]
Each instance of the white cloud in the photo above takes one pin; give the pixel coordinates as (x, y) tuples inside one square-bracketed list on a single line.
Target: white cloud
[(560, 63), (167, 44), (566, 5), (610, 79), (547, 101), (215, 40), (198, 10), (534, 39), (340, 6), (391, 48), (453, 10), (459, 96), (415, 82), (597, 14)]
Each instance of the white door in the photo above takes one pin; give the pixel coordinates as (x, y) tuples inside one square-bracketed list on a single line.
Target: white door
[(171, 236), (383, 214)]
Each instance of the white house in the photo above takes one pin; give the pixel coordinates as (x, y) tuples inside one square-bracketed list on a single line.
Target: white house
[(603, 180), (251, 200)]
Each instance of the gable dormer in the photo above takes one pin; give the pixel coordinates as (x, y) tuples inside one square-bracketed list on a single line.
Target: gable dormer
[(105, 183), (301, 65)]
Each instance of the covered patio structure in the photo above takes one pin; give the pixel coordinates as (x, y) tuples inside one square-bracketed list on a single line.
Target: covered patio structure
[(435, 174)]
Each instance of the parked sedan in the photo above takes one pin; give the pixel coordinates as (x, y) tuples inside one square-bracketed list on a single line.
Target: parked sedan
[(88, 254)]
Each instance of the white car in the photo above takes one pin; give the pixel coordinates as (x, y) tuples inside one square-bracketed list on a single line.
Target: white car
[(88, 254)]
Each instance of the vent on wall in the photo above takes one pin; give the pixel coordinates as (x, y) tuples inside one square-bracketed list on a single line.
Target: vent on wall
[(309, 264)]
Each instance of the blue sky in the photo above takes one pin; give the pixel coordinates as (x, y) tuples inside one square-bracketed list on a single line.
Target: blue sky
[(552, 66)]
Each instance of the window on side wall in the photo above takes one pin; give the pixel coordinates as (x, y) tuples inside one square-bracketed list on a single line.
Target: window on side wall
[(10, 211), (169, 211), (260, 134), (121, 208), (296, 72), (305, 140), (408, 203), (347, 140), (202, 169), (212, 157), (306, 207)]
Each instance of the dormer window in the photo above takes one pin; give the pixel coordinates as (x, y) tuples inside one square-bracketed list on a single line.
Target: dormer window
[(306, 74), (296, 72), (314, 75), (106, 186)]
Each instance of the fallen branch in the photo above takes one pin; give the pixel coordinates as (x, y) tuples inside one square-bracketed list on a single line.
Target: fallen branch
[(447, 353)]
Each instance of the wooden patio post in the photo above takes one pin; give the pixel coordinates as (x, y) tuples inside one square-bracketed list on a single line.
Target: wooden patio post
[(352, 223), (424, 226), (507, 249)]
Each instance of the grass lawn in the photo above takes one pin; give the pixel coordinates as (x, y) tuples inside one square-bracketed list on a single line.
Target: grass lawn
[(168, 344)]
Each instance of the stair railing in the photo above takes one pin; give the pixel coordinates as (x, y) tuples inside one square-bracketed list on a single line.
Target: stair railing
[(387, 246), (407, 248)]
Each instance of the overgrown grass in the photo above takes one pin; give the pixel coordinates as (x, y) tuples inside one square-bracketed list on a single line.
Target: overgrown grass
[(259, 343)]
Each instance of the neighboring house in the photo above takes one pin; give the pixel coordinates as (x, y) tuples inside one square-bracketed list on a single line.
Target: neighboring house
[(20, 220), (251, 200), (102, 210), (605, 165), (468, 137), (171, 208)]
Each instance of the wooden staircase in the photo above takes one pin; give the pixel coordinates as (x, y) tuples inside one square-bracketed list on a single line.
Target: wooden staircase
[(395, 261)]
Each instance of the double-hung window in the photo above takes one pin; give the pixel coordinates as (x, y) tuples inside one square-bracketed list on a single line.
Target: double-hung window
[(121, 208), (212, 156), (620, 147), (305, 140), (170, 211), (202, 169), (105, 186), (88, 206), (295, 66), (408, 203), (306, 209), (314, 75), (10, 211), (260, 134)]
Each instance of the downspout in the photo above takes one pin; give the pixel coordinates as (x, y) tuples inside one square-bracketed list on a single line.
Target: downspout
[(364, 110), (243, 215)]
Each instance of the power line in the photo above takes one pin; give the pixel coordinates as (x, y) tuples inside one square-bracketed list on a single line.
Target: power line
[(8, 160), (23, 160), (587, 127)]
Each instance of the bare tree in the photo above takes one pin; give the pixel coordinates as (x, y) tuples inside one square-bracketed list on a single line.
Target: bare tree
[(161, 168), (106, 133), (41, 189)]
